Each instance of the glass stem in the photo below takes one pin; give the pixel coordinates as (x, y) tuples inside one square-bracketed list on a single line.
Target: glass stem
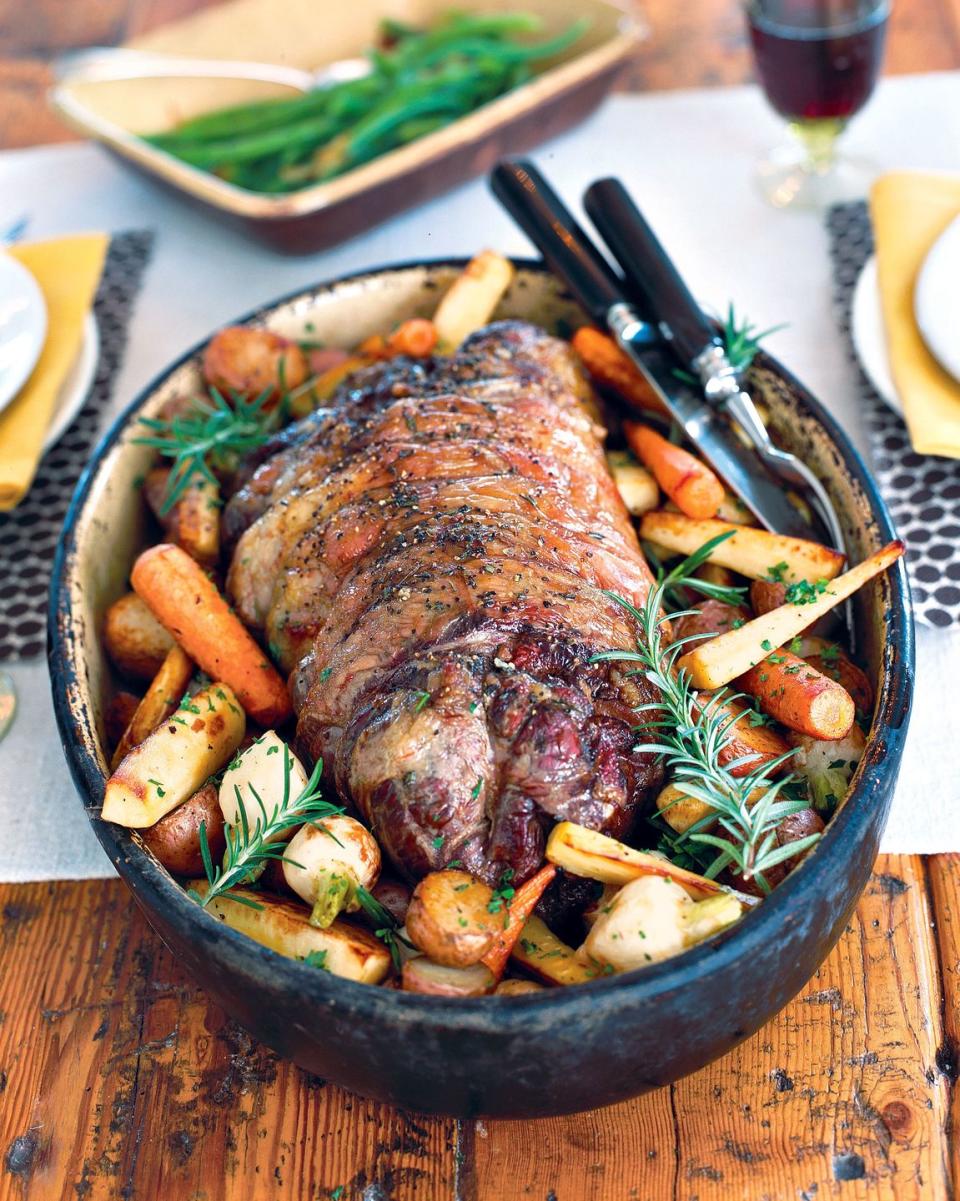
[(819, 139)]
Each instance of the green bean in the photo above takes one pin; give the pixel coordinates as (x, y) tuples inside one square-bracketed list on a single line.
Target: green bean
[(420, 82)]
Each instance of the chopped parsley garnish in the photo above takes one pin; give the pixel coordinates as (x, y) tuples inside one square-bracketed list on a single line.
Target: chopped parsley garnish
[(777, 572), (438, 842), (475, 791), (423, 699), (316, 959), (805, 593), (766, 645)]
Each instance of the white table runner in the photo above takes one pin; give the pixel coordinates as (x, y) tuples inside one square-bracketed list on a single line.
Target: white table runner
[(688, 157)]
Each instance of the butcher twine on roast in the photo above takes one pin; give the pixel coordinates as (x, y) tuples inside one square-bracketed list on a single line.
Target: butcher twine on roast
[(428, 557)]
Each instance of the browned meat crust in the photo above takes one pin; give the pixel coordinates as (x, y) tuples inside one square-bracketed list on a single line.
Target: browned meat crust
[(430, 558)]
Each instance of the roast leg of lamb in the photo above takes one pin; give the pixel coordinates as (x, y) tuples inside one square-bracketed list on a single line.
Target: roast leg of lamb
[(430, 558)]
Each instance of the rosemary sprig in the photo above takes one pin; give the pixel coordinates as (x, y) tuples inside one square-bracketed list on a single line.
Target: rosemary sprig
[(730, 594), (250, 849), (385, 925), (692, 733), (213, 434), (742, 340)]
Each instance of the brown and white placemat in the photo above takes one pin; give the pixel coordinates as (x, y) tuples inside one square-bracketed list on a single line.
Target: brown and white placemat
[(29, 534), (922, 491)]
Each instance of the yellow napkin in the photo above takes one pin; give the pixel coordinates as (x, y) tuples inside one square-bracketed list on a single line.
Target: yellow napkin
[(68, 271), (910, 210)]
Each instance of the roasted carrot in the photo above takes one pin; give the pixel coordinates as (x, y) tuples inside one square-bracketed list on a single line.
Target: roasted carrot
[(799, 696), (160, 700), (374, 347), (416, 337), (523, 904), (690, 484), (734, 653), (761, 743), (829, 659), (610, 368), (189, 605)]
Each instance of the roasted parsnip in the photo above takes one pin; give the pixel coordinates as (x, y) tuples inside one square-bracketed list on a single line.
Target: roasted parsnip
[(259, 772), (176, 760), (159, 702), (541, 953), (754, 553), (472, 298), (584, 852), (284, 926), (637, 487), (722, 659)]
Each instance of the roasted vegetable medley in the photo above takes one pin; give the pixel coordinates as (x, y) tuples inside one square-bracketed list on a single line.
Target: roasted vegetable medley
[(420, 80), (744, 714)]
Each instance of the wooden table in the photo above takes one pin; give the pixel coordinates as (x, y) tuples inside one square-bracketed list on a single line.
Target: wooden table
[(118, 1079)]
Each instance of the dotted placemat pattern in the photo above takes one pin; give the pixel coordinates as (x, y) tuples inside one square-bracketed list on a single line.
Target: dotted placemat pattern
[(29, 534), (921, 491)]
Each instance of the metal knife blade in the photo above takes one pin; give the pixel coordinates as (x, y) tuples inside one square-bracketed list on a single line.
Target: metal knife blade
[(706, 428)]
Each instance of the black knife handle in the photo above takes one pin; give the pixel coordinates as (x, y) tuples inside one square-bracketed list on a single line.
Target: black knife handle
[(648, 268), (551, 227)]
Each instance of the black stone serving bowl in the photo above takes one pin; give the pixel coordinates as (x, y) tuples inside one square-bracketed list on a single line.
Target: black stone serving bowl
[(553, 1052)]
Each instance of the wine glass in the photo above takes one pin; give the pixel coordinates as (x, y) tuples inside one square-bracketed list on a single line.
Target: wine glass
[(817, 61)]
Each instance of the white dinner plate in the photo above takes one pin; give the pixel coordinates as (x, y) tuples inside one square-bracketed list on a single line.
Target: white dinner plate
[(76, 387), (869, 338), (23, 326), (936, 299)]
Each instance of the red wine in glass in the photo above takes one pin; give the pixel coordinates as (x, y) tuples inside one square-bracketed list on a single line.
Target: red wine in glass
[(813, 66), (818, 62)]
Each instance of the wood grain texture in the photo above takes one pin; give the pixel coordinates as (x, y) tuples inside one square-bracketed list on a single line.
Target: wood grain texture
[(120, 1079)]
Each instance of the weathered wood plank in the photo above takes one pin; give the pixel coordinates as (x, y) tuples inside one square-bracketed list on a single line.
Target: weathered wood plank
[(943, 883), (842, 1093), (119, 1079), (851, 1085)]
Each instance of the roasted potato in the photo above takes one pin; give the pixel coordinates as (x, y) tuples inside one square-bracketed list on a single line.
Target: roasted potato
[(439, 980), (450, 918), (284, 926), (517, 988), (176, 760), (252, 362), (394, 896), (136, 642), (118, 715), (175, 839)]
